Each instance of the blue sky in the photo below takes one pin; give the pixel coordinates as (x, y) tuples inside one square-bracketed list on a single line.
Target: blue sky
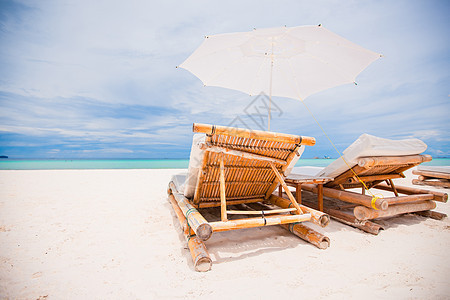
[(97, 79)]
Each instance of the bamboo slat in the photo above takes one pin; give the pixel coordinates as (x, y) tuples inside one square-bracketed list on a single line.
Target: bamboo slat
[(253, 134), (230, 202), (364, 213), (242, 154)]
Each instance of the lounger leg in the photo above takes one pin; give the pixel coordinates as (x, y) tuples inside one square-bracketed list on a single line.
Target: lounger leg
[(391, 183), (223, 200), (298, 193), (285, 187), (320, 196)]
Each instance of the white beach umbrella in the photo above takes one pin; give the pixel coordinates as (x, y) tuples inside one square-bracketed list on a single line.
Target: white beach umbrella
[(287, 62)]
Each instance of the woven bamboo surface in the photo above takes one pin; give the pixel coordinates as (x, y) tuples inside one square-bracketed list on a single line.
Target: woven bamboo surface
[(245, 178)]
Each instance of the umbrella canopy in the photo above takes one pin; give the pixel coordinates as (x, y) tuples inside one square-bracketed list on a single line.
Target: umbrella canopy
[(290, 62)]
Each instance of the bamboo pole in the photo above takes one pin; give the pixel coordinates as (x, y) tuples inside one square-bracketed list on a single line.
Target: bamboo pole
[(364, 213), (369, 162), (223, 200), (286, 189), (319, 196), (438, 196), (317, 217), (253, 134), (200, 256), (391, 183), (283, 170), (242, 154), (367, 226), (261, 212), (310, 235), (431, 174), (258, 222), (408, 199), (351, 197), (369, 178), (431, 214), (199, 224), (432, 183)]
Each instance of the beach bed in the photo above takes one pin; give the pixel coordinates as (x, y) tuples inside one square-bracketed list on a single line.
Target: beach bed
[(232, 173), (438, 176), (368, 166)]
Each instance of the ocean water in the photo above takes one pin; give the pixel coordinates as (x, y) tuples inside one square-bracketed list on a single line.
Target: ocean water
[(83, 164)]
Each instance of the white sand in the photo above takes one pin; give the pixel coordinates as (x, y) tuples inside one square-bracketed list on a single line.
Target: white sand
[(110, 234)]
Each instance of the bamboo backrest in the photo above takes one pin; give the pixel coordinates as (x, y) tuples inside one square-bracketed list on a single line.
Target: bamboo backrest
[(248, 177), (376, 169)]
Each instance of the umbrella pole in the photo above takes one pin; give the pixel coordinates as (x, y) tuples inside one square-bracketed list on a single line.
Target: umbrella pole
[(270, 90)]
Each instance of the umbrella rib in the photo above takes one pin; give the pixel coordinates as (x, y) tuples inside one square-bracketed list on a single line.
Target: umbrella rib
[(257, 73), (297, 88)]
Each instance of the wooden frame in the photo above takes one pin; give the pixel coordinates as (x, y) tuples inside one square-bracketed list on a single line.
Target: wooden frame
[(239, 167), (376, 173), (432, 178)]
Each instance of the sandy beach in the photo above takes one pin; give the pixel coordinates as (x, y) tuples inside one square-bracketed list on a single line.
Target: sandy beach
[(110, 234)]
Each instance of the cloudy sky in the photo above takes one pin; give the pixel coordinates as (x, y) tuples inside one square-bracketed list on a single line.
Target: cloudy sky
[(98, 79)]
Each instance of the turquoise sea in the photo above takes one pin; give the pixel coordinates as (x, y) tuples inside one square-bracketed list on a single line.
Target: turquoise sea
[(82, 164)]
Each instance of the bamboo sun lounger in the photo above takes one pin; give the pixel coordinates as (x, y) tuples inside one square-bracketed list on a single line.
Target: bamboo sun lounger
[(376, 162), (438, 176), (239, 168)]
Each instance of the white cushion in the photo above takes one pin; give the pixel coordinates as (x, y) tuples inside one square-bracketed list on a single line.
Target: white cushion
[(195, 163), (368, 145)]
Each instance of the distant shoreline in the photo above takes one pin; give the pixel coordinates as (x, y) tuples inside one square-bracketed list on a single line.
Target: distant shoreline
[(140, 163)]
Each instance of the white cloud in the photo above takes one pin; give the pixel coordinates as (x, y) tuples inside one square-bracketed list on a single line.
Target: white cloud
[(102, 71)]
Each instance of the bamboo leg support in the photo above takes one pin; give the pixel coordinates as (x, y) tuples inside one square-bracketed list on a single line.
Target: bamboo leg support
[(431, 214), (438, 196), (199, 224), (200, 256), (298, 193), (431, 183), (308, 234), (367, 226), (286, 189), (223, 200), (259, 222), (317, 217), (320, 196), (351, 197), (364, 213)]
